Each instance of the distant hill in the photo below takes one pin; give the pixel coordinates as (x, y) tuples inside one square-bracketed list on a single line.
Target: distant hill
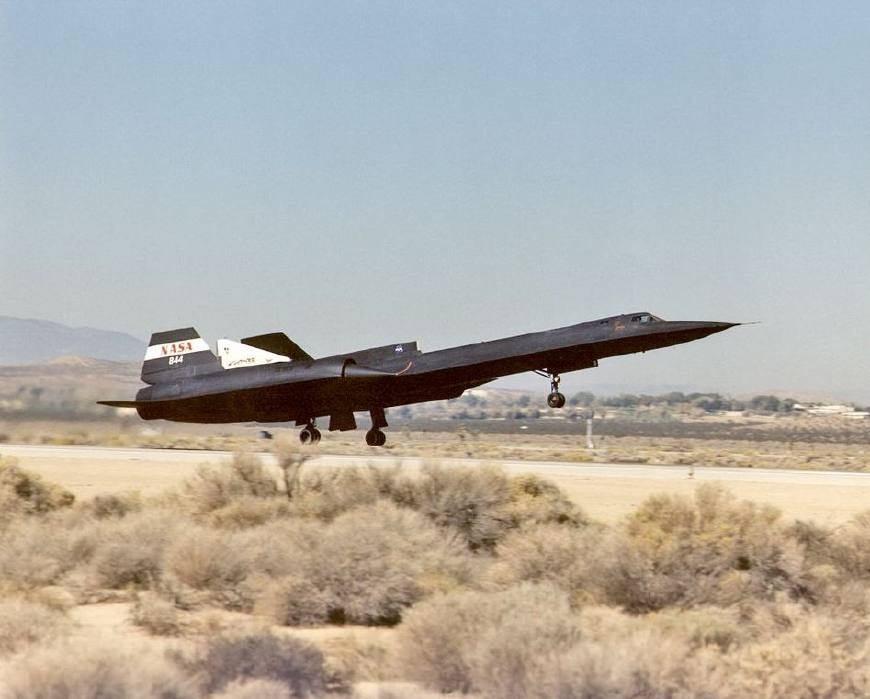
[(29, 341)]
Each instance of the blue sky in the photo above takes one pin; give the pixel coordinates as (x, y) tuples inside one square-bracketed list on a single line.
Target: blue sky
[(359, 173)]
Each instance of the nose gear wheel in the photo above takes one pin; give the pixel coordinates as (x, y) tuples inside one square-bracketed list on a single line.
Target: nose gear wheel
[(555, 399)]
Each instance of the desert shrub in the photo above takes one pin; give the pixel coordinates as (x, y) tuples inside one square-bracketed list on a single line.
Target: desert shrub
[(451, 642), (24, 493), (274, 548), (297, 665), (596, 565), (214, 487), (472, 502), (546, 553), (399, 690), (156, 615), (524, 643), (23, 622), (511, 656), (290, 457), (377, 560), (248, 511), (392, 483), (701, 627), (478, 504), (366, 567), (205, 559), (360, 658), (39, 551), (294, 601), (111, 505), (815, 540), (710, 550), (435, 635), (24, 562), (255, 689), (89, 671), (481, 504), (640, 665), (250, 470), (131, 549), (838, 563), (326, 493), (534, 500), (817, 657), (848, 548)]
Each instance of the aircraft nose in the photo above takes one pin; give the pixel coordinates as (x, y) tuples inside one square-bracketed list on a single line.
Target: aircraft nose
[(719, 327), (695, 330), (712, 328)]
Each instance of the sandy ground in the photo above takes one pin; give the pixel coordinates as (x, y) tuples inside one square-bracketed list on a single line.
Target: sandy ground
[(605, 491)]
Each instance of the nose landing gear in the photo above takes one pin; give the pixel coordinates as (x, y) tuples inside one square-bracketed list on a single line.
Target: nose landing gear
[(554, 399), (309, 434)]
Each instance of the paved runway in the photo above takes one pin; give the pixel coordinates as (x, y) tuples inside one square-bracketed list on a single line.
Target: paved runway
[(606, 491)]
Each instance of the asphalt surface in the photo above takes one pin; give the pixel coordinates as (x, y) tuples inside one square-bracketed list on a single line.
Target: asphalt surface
[(27, 452)]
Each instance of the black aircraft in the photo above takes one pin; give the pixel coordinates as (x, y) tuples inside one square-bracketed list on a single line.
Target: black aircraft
[(269, 378)]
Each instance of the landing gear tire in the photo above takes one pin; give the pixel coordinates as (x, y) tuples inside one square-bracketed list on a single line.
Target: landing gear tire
[(556, 400), (375, 438), (309, 435)]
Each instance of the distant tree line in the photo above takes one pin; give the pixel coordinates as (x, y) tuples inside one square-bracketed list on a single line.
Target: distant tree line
[(523, 406), (709, 402)]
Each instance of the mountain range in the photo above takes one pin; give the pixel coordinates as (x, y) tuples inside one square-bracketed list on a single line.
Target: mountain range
[(30, 341)]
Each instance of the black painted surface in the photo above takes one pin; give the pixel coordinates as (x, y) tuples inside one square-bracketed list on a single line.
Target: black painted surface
[(397, 374)]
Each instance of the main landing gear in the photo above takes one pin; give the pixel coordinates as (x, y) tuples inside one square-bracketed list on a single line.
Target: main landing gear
[(375, 438), (555, 399), (309, 434)]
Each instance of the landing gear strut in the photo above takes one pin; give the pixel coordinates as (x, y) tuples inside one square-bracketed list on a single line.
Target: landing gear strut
[(309, 434), (555, 399)]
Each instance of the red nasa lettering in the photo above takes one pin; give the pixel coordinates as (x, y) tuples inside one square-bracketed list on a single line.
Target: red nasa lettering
[(176, 348)]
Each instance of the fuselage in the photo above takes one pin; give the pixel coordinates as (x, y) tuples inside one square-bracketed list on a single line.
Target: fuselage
[(401, 374)]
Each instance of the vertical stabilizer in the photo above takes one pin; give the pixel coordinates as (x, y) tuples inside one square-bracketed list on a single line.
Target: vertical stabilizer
[(236, 354), (177, 354)]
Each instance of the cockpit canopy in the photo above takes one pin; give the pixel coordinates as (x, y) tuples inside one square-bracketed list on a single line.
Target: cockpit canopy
[(639, 318), (645, 318)]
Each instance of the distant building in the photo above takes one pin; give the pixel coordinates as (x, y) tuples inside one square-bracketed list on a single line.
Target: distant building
[(857, 415), (832, 410)]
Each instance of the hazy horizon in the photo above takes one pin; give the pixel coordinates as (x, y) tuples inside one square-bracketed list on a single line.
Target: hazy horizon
[(354, 175)]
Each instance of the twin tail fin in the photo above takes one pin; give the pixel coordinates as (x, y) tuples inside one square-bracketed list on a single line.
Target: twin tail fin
[(177, 354)]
